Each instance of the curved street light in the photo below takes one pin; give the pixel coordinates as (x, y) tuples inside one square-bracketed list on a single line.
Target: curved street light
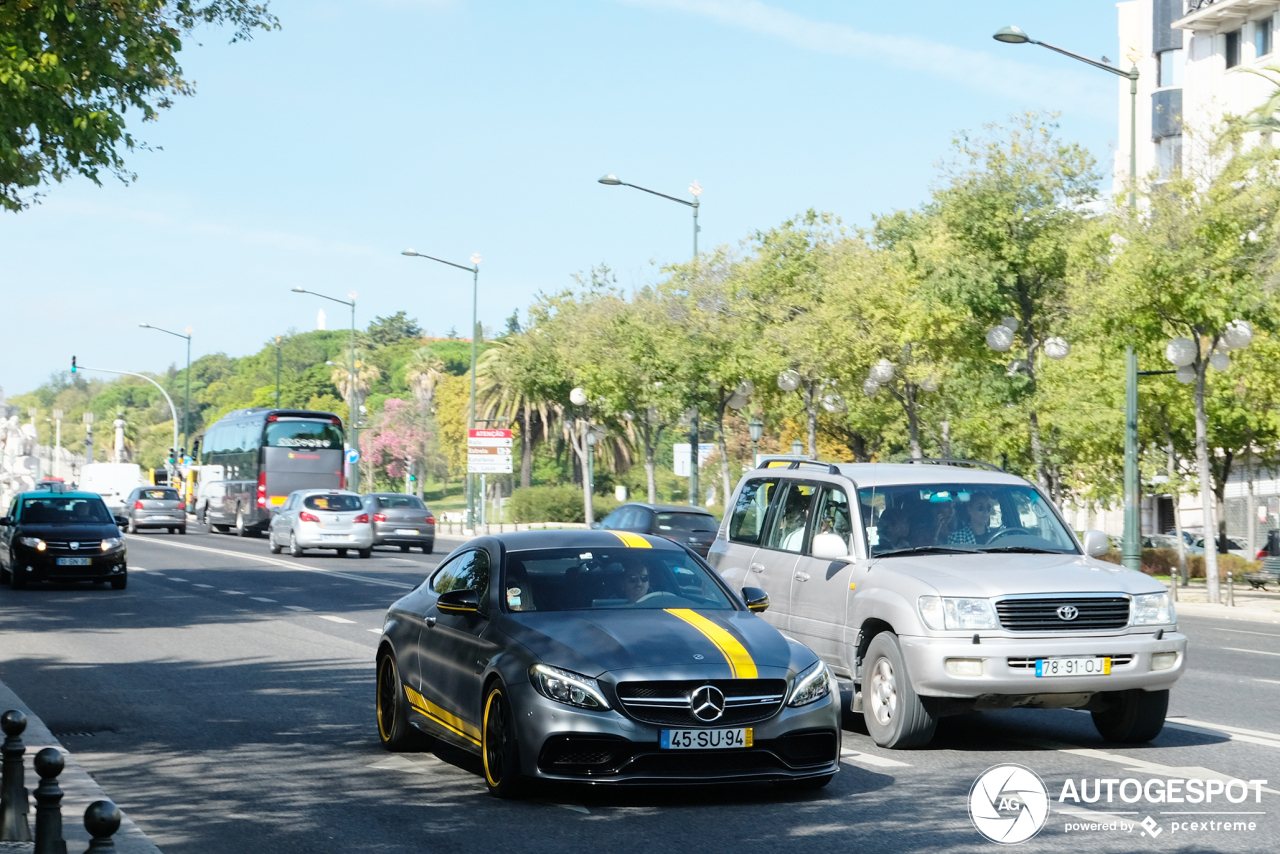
[(186, 400)]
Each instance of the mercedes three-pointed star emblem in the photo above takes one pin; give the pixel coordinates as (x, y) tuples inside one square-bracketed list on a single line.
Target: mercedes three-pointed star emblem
[(707, 703)]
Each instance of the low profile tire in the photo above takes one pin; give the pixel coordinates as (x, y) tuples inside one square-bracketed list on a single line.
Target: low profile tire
[(498, 747), (394, 729), (896, 716), (294, 549), (404, 548), (429, 547), (120, 582), (366, 553), (1137, 716)]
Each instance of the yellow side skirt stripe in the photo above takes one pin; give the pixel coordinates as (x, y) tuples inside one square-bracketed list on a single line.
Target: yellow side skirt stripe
[(633, 541), (453, 723), (740, 661)]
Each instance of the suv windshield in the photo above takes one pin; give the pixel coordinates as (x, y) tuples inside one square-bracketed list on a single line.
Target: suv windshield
[(580, 580), (57, 510), (961, 517)]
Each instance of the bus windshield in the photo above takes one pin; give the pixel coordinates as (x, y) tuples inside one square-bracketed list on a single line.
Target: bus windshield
[(303, 434)]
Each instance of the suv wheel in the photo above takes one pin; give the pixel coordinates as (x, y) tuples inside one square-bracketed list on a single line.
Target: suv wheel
[(895, 715), (1137, 716)]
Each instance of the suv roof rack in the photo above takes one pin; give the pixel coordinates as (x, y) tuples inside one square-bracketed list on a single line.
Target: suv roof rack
[(793, 463), (951, 461)]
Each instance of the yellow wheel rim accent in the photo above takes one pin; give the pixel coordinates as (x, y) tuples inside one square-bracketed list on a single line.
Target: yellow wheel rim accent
[(484, 729)]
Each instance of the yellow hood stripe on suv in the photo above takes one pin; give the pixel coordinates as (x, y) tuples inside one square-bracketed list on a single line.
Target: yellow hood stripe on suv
[(632, 541), (740, 661)]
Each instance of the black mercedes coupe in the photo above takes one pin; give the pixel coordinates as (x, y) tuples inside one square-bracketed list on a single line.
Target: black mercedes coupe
[(602, 657)]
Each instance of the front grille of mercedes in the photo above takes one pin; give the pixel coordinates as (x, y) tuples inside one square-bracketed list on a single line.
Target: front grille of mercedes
[(667, 703), (1041, 614)]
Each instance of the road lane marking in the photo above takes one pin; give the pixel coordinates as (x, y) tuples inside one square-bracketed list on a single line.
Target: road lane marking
[(871, 759), (205, 586), (1257, 651), (1252, 736), (333, 619), (234, 592), (1243, 632), (1272, 681), (287, 565), (180, 580), (375, 631), (261, 599), (1142, 766), (296, 608)]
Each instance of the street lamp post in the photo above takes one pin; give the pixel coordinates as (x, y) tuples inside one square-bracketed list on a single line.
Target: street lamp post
[(88, 421), (474, 270), (694, 429), (277, 370), (1131, 548), (353, 403), (186, 400), (757, 430), (57, 441)]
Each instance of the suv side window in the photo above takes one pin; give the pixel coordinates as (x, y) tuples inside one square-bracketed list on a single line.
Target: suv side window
[(749, 512), (833, 514), (790, 522)]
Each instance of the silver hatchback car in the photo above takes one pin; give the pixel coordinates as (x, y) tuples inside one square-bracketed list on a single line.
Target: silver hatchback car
[(321, 519), (944, 588), (155, 507)]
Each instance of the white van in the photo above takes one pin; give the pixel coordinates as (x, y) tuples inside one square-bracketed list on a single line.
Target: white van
[(112, 481)]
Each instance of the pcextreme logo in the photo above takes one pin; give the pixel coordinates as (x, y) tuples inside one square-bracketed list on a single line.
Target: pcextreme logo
[(1010, 804)]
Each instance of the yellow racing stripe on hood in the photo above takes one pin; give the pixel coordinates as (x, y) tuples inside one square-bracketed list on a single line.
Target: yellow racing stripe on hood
[(740, 661), (632, 541)]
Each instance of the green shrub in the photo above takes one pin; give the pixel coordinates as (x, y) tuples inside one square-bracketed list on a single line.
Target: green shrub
[(555, 504)]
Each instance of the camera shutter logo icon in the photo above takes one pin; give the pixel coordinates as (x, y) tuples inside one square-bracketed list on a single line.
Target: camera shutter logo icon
[(1008, 804)]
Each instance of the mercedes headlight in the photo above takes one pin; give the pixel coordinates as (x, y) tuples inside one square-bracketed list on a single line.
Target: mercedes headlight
[(952, 613), (1153, 609), (33, 542), (111, 543), (811, 685), (565, 686)]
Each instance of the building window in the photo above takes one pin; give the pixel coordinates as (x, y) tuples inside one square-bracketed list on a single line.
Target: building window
[(1170, 68), (1233, 49), (1262, 36), (1168, 156)]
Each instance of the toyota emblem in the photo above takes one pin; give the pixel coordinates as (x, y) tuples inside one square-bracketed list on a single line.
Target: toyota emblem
[(74, 546), (1068, 612), (707, 703)]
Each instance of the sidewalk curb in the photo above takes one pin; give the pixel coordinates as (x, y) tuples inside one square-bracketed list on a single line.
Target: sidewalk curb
[(1222, 612), (78, 787)]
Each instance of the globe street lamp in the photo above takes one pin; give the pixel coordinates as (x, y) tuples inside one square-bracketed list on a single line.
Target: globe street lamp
[(694, 431), (186, 401), (352, 415), (474, 270)]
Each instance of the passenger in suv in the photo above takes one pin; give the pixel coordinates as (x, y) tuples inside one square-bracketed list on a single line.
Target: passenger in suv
[(941, 589)]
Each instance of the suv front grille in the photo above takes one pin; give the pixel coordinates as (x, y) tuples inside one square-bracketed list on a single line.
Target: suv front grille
[(667, 703), (1042, 614)]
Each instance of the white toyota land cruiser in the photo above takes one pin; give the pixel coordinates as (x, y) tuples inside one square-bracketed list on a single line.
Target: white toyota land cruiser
[(948, 586)]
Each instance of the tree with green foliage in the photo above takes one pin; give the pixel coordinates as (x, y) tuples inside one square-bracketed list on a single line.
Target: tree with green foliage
[(384, 331), (70, 70)]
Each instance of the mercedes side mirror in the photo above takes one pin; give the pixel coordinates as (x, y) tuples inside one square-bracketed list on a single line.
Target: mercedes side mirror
[(829, 547), (1096, 543), (757, 600), (459, 602)]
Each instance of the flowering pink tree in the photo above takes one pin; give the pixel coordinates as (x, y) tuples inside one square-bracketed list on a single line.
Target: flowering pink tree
[(400, 436)]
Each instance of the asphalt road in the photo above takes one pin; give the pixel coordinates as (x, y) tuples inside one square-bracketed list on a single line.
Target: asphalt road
[(225, 700)]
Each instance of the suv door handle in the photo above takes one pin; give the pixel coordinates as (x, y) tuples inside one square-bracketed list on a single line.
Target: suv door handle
[(802, 576), (757, 567)]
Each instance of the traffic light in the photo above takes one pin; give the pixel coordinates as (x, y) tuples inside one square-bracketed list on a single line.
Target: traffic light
[(73, 364), (170, 456), (412, 476)]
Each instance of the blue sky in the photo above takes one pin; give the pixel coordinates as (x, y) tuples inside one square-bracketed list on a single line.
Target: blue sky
[(313, 155)]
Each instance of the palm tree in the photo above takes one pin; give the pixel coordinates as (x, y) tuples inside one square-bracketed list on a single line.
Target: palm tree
[(366, 375), (1263, 118), (423, 374), (505, 389)]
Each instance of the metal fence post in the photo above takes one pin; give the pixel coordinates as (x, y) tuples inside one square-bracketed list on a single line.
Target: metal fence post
[(49, 764), (13, 795)]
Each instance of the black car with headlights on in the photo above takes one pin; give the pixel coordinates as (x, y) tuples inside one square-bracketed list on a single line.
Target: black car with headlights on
[(61, 536), (602, 657)]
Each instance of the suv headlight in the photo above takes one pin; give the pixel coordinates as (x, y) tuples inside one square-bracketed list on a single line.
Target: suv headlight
[(811, 685), (33, 542), (565, 686), (953, 613), (1153, 609)]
